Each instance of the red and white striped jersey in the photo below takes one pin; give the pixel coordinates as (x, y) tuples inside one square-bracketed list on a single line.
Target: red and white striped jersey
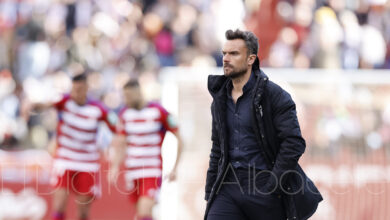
[(145, 130), (76, 134)]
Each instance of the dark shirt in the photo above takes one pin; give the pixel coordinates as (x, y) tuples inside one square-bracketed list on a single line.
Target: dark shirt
[(244, 150)]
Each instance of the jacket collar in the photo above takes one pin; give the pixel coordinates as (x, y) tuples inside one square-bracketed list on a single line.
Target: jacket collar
[(247, 87), (217, 83)]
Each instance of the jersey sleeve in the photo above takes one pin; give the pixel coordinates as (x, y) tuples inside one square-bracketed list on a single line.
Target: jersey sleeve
[(110, 118), (168, 120), (60, 105)]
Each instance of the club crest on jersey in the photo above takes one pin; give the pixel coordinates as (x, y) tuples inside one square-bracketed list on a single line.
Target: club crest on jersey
[(172, 122), (112, 118)]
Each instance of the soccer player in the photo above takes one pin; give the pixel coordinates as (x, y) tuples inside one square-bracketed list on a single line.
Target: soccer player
[(140, 132), (76, 164)]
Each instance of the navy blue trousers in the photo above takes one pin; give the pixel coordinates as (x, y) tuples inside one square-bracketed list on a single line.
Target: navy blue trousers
[(242, 197)]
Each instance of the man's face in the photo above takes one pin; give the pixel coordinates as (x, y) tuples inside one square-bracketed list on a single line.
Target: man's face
[(79, 92), (133, 97), (235, 58)]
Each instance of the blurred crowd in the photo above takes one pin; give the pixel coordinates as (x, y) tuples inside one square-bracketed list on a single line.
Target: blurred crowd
[(43, 42), (337, 128), (347, 34)]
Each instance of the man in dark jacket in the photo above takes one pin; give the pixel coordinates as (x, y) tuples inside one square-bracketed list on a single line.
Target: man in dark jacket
[(256, 143)]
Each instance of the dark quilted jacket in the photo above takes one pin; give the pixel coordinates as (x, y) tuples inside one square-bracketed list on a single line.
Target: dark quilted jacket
[(277, 130)]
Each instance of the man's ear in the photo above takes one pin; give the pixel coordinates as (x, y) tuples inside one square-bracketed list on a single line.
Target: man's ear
[(251, 59)]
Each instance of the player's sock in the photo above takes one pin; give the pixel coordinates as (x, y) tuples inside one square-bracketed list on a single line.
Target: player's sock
[(58, 216), (146, 218)]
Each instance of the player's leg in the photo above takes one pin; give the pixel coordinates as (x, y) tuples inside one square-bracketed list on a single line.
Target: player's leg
[(132, 186), (145, 207), (84, 204), (86, 187), (60, 199), (61, 184), (148, 192)]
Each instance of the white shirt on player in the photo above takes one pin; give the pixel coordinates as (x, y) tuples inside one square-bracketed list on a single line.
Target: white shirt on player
[(145, 130), (76, 134)]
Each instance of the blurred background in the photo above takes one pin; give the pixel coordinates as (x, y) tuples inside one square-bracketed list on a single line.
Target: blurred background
[(333, 56)]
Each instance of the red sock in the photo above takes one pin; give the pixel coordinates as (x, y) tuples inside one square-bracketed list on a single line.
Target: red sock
[(58, 216)]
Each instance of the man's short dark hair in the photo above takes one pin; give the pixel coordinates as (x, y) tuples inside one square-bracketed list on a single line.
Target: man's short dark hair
[(250, 39), (132, 83), (79, 77)]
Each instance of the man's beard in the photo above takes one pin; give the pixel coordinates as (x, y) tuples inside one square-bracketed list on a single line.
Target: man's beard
[(235, 73)]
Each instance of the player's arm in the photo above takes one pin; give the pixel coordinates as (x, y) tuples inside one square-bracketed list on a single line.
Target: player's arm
[(117, 149), (172, 175), (35, 108), (40, 107), (171, 124), (117, 154)]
